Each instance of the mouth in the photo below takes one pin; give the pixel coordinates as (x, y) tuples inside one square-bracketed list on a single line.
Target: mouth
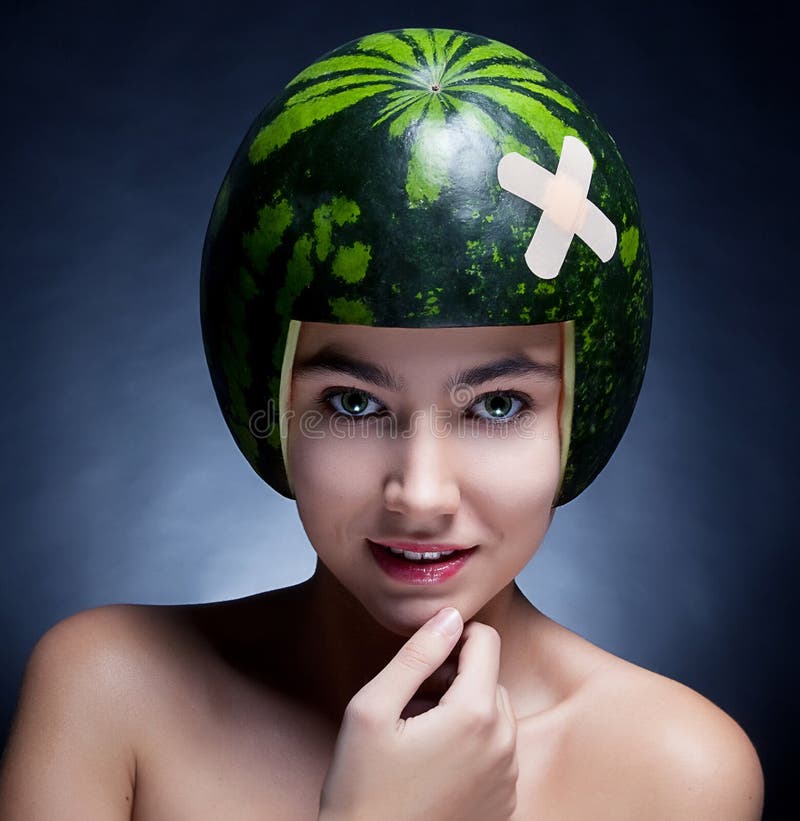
[(425, 564), (422, 552)]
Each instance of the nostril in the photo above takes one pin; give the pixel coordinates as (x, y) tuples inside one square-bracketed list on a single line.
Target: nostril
[(427, 513)]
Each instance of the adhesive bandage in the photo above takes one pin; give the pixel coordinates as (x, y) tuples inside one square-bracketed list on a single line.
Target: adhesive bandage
[(566, 210)]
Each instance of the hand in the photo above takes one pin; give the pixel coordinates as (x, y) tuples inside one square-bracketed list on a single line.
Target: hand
[(456, 761)]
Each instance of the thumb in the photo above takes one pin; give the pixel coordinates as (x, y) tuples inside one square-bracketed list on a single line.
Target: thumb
[(416, 660)]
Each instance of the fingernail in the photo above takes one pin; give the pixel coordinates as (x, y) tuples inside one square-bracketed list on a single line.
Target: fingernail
[(447, 622)]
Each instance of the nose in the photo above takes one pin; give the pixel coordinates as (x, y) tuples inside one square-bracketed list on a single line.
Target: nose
[(422, 481)]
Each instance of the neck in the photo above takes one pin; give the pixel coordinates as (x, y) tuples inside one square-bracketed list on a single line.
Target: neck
[(346, 647)]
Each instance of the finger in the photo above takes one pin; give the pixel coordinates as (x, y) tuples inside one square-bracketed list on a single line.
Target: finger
[(478, 667), (437, 683), (392, 689)]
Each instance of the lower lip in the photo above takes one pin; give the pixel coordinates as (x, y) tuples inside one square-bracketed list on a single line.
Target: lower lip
[(411, 572)]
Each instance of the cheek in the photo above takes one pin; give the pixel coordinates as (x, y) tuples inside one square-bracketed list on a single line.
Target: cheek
[(332, 470), (335, 481), (518, 477)]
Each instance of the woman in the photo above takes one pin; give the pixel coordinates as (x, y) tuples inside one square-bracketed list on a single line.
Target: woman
[(426, 313)]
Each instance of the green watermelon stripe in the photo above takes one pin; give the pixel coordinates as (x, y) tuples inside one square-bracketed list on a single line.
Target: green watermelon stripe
[(490, 52), (407, 93), (416, 48), (441, 39), (412, 114), (437, 46), (519, 85), (412, 75), (453, 46), (421, 184), (350, 62), (437, 110), (359, 76), (507, 142), (449, 104), (445, 44), (390, 45), (522, 105), (395, 107), (423, 40), (337, 83), (504, 70), (398, 104), (552, 94), (300, 117)]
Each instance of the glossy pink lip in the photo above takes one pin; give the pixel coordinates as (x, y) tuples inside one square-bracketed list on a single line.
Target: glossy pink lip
[(404, 570), (423, 547)]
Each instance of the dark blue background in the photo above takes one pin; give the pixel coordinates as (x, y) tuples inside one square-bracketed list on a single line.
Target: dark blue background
[(120, 481)]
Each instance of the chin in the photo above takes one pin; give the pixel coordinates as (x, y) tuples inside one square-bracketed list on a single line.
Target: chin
[(404, 617), (400, 624)]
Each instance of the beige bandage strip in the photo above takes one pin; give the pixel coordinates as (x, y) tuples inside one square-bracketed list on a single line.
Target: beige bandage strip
[(566, 211)]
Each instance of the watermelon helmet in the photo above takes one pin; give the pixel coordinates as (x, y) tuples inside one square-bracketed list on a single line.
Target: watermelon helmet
[(427, 178)]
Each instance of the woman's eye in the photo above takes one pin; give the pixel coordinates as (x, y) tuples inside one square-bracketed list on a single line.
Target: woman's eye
[(353, 402), (499, 407)]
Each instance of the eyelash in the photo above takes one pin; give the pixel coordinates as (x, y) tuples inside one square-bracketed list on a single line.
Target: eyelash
[(526, 403)]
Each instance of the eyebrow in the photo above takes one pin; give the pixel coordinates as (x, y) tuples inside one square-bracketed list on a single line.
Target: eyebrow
[(331, 359)]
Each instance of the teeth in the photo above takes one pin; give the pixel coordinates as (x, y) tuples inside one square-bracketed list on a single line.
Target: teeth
[(417, 556)]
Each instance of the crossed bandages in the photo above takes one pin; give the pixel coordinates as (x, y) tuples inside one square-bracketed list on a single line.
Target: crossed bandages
[(566, 211)]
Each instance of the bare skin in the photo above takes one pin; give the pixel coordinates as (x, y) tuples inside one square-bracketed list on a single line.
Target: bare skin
[(227, 711), (233, 710)]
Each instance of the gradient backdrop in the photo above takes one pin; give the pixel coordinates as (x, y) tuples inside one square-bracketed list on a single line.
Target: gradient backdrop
[(120, 481)]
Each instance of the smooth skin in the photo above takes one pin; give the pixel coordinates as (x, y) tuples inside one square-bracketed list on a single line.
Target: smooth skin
[(471, 734), (288, 704)]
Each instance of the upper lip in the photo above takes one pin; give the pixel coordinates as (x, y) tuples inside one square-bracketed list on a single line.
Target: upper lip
[(423, 547)]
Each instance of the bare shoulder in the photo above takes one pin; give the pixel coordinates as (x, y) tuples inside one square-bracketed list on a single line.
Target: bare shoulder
[(86, 692), (661, 750), (108, 652)]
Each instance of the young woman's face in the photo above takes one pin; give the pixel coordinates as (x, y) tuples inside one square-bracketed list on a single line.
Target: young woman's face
[(443, 437)]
